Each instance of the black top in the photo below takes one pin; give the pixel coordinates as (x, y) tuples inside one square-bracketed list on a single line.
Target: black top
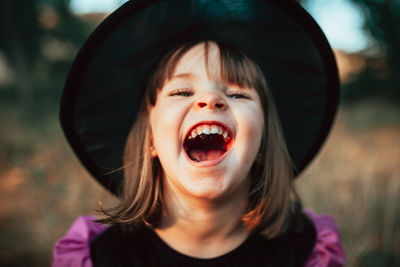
[(118, 246)]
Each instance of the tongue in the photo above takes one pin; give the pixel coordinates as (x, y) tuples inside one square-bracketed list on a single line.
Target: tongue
[(205, 155)]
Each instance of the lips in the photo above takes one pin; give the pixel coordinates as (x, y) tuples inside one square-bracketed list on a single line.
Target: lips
[(207, 142)]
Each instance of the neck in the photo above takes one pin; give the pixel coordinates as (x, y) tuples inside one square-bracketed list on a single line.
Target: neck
[(202, 228)]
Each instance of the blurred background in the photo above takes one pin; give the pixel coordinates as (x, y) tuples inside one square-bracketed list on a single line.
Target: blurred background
[(356, 176)]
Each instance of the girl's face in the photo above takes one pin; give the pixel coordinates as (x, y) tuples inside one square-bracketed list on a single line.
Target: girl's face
[(205, 132)]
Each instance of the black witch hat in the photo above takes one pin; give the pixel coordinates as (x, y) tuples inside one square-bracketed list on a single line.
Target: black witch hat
[(105, 86)]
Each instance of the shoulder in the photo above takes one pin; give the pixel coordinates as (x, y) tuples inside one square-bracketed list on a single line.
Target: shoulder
[(328, 250), (74, 248), (311, 240), (119, 245)]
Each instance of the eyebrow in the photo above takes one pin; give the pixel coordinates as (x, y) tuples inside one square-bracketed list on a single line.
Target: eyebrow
[(188, 75), (183, 76)]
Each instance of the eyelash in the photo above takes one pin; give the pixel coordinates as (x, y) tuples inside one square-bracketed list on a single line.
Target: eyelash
[(238, 95), (187, 92), (181, 92)]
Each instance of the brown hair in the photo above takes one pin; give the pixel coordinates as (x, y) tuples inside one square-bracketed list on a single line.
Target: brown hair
[(271, 194)]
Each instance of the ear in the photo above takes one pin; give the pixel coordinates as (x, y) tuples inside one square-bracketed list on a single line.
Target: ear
[(153, 150)]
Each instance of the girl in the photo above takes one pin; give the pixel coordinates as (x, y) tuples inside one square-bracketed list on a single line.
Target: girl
[(207, 174)]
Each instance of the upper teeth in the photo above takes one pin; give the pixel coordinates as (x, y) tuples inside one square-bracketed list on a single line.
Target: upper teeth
[(209, 129)]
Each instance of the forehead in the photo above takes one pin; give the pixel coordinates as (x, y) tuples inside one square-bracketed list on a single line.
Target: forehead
[(201, 60)]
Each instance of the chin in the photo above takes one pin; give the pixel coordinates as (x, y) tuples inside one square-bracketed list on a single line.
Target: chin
[(209, 188)]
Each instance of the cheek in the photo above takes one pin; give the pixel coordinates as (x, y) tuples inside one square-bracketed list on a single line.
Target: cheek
[(165, 126), (250, 130), (252, 121)]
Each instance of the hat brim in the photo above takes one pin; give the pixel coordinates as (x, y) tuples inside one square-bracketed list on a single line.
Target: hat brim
[(105, 85)]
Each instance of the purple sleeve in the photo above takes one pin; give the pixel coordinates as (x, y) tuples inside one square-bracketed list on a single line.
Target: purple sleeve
[(74, 248), (328, 250)]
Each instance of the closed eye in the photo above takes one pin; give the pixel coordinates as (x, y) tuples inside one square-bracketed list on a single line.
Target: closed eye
[(181, 92), (237, 95)]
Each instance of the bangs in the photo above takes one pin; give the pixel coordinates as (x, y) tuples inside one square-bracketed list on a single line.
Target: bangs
[(234, 68)]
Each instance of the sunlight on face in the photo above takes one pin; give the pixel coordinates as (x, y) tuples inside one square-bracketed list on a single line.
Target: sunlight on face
[(206, 133)]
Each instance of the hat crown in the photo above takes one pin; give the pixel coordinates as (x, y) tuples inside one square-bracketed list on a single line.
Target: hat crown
[(105, 86)]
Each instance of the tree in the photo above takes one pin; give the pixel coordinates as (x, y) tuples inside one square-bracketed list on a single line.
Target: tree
[(380, 79), (30, 30), (20, 41)]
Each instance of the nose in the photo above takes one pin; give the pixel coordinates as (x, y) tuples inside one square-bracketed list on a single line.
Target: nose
[(211, 101)]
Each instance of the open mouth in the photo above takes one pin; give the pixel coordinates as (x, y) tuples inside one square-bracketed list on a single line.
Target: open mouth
[(207, 142)]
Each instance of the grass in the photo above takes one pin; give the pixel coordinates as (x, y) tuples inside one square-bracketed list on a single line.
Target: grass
[(355, 178)]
